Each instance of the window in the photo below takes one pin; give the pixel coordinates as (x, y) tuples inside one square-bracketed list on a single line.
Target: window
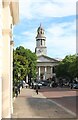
[(41, 41)]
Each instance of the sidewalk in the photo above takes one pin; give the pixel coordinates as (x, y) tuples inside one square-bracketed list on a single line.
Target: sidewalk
[(30, 105)]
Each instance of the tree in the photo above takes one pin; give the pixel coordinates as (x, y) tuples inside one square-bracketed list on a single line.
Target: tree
[(74, 67), (20, 67), (24, 64), (67, 67)]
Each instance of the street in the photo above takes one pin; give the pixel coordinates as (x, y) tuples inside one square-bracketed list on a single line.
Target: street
[(30, 105), (64, 96)]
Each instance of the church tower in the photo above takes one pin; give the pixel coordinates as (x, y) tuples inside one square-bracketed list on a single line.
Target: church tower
[(41, 48)]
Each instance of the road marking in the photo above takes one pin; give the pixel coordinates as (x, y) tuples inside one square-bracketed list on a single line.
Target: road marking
[(59, 105), (64, 108)]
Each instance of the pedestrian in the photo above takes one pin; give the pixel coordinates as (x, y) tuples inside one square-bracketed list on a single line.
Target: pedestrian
[(71, 85), (37, 89), (16, 91), (19, 89)]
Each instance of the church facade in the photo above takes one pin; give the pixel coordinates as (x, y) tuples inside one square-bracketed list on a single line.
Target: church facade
[(45, 64)]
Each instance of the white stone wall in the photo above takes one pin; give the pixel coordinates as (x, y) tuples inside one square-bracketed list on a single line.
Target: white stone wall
[(0, 59), (6, 84), (77, 28), (6, 56), (11, 74)]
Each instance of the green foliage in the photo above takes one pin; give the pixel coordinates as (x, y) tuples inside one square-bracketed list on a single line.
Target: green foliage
[(24, 63), (68, 67)]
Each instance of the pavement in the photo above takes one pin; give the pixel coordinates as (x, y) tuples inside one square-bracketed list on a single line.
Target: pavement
[(30, 105)]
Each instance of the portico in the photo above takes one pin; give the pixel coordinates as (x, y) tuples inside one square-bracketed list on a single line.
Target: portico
[(45, 67), (44, 72)]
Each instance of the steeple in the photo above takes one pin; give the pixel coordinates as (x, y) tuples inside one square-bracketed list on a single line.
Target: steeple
[(40, 41), (40, 31)]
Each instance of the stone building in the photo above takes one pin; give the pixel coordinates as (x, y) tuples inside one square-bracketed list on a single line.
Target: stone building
[(45, 64), (9, 16)]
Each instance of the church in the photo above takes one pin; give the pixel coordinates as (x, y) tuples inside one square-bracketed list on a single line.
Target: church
[(45, 64)]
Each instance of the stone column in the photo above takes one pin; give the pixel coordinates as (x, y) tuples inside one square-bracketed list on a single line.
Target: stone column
[(6, 81), (51, 71), (45, 72), (1, 59), (39, 72), (11, 75)]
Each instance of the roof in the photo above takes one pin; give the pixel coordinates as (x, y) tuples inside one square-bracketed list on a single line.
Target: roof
[(44, 58)]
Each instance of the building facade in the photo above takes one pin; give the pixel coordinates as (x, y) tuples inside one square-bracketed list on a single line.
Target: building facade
[(9, 16), (76, 42), (45, 64)]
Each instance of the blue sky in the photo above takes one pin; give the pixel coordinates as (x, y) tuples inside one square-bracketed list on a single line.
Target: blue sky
[(58, 18)]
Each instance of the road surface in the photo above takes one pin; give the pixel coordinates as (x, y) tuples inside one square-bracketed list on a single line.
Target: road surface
[(63, 96), (30, 105)]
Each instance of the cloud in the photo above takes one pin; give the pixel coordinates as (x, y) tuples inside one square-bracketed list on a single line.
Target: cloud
[(34, 9), (62, 29), (29, 44), (25, 8), (61, 39), (26, 33), (27, 39)]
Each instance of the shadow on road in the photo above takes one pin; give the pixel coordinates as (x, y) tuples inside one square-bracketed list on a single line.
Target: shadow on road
[(68, 102), (63, 96), (45, 108)]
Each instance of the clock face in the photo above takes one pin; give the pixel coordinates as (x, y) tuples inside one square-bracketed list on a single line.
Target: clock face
[(39, 51)]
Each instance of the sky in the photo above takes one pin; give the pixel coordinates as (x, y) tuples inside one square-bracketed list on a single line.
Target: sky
[(57, 17)]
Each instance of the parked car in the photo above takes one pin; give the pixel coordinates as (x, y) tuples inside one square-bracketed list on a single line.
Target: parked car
[(75, 85), (39, 84), (44, 83), (35, 84), (23, 83)]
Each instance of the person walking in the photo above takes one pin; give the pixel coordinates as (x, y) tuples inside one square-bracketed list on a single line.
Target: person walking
[(16, 91), (71, 85), (19, 89), (37, 89)]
